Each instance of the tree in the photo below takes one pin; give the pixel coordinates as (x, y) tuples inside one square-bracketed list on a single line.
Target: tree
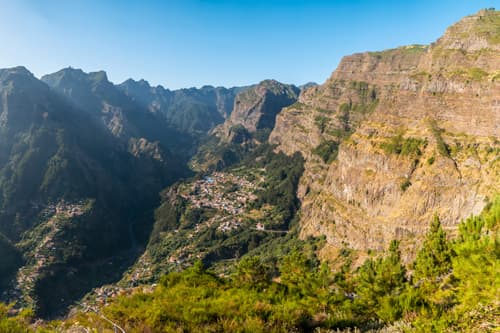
[(322, 282), (379, 284), (434, 258), (296, 272), (251, 271)]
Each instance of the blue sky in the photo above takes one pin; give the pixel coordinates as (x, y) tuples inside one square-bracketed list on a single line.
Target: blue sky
[(189, 43)]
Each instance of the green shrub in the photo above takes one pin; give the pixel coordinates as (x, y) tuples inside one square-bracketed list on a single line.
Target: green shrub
[(403, 146), (321, 122), (327, 150), (405, 184), (442, 147)]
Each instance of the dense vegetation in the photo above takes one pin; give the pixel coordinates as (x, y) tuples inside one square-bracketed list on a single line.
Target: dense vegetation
[(182, 230), (283, 174), (452, 286), (10, 260)]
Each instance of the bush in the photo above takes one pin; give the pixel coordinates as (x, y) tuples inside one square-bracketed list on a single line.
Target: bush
[(327, 150), (403, 146), (442, 147), (405, 184)]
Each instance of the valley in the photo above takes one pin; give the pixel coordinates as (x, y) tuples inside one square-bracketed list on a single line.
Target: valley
[(368, 203)]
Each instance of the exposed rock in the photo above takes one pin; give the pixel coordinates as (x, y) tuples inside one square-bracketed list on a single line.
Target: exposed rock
[(256, 109), (142, 147), (446, 95)]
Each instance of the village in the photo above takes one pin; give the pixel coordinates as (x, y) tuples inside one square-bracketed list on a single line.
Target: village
[(229, 194), (69, 209), (222, 191), (55, 215)]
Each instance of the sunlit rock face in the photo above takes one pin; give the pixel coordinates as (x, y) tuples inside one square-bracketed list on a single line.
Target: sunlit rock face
[(444, 97)]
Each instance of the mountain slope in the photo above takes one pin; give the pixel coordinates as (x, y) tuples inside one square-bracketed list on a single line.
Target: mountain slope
[(124, 118), (73, 195), (418, 129)]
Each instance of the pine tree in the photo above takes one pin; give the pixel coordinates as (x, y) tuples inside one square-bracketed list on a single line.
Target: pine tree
[(252, 272), (380, 283), (434, 259)]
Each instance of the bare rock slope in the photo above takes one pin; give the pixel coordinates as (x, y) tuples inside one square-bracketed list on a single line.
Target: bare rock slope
[(396, 136), (255, 109)]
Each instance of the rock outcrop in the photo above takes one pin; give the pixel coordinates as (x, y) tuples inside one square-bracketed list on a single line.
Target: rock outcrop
[(417, 130), (255, 109)]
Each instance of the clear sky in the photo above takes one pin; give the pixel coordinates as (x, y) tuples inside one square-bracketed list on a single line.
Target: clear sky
[(189, 43)]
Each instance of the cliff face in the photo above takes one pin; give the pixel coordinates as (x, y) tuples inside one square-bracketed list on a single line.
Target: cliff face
[(417, 130), (256, 108)]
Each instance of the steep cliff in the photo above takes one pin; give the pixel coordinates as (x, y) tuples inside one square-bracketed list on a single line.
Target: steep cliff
[(396, 136), (255, 109)]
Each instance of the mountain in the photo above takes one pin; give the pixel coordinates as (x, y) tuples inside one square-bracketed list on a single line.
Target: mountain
[(339, 206), (124, 118), (189, 110), (76, 186), (308, 85), (252, 119), (393, 137), (255, 109)]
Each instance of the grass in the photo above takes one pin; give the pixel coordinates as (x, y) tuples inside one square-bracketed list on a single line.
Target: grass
[(470, 74)]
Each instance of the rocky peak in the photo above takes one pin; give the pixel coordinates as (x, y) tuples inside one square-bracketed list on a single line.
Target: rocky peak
[(21, 79), (385, 66), (256, 108), (474, 32), (23, 98), (68, 76), (133, 84), (82, 88), (140, 91), (9, 73)]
